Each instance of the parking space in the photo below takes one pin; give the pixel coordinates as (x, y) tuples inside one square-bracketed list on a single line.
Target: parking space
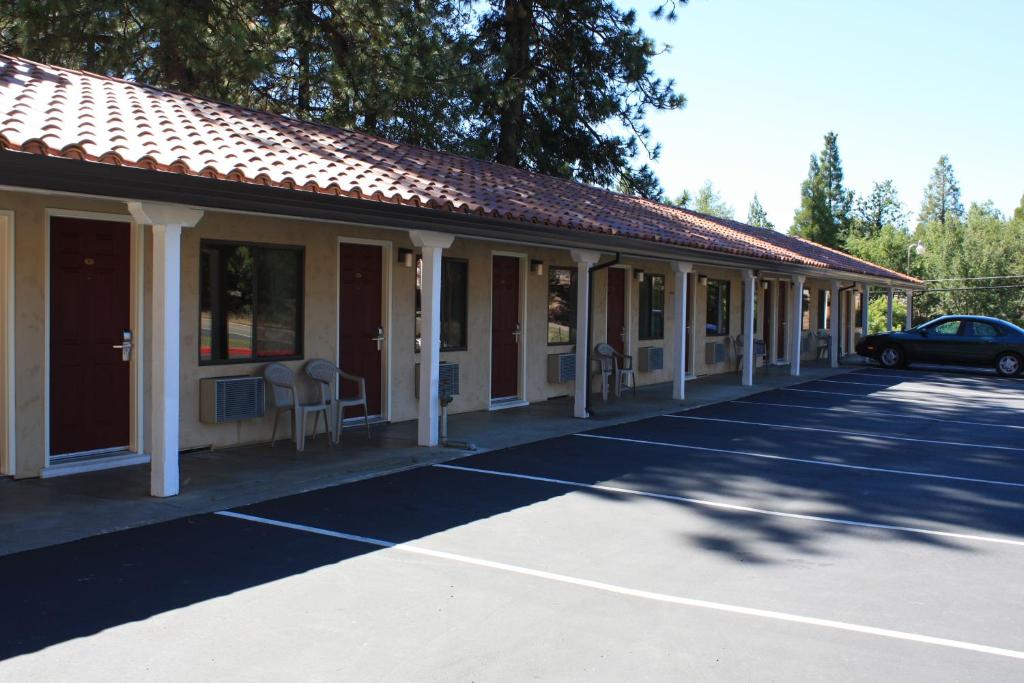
[(867, 526)]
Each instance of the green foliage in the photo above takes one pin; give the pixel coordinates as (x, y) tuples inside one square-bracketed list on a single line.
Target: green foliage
[(881, 208), (941, 203), (538, 84), (709, 202), (877, 308), (757, 216), (1018, 213), (825, 209), (684, 200), (888, 247)]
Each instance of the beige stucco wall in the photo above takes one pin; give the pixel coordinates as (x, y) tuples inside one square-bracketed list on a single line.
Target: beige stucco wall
[(321, 240), (6, 267)]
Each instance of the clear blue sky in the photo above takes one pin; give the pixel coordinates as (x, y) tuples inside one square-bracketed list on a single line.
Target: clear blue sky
[(900, 81)]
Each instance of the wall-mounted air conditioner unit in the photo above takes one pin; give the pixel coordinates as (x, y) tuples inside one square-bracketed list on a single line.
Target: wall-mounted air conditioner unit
[(561, 368), (714, 352), (229, 399), (447, 380), (652, 358)]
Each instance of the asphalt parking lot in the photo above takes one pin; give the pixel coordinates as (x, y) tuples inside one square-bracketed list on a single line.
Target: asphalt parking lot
[(868, 526)]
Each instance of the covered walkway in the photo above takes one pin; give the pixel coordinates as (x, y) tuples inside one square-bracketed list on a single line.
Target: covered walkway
[(40, 512)]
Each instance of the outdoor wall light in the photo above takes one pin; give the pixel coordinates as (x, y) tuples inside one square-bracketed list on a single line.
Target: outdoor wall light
[(537, 267), (764, 284), (406, 257), (638, 275), (702, 280)]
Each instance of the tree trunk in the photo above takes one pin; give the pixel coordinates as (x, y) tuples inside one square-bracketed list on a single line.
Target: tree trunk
[(516, 52)]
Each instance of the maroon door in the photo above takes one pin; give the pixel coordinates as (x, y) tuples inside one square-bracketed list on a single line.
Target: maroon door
[(689, 322), (766, 318), (505, 330), (90, 309), (616, 333), (781, 331), (361, 329)]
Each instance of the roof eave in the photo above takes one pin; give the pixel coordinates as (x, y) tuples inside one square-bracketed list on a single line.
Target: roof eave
[(30, 171)]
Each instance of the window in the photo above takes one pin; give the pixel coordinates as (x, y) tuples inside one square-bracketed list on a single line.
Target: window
[(250, 304), (947, 328), (652, 307), (976, 328), (805, 322), (717, 323), (561, 306), (454, 303)]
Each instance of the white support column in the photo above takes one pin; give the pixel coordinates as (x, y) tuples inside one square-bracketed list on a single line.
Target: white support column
[(910, 309), (749, 290), (773, 323), (681, 270), (432, 244), (888, 309), (167, 221), (796, 325), (865, 301), (834, 328), (583, 260), (851, 321)]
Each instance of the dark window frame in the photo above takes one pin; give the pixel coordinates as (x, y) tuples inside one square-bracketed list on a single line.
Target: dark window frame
[(300, 313), (573, 289), (418, 306), (723, 310), (646, 332)]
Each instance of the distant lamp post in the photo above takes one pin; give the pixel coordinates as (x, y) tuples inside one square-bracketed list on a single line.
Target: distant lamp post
[(917, 248)]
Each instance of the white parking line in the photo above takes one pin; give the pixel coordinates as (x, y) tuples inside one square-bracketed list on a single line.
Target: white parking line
[(887, 414), (807, 461), (734, 508), (635, 593), (866, 384), (845, 432), (818, 391)]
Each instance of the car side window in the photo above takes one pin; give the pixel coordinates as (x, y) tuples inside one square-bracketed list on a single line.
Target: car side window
[(950, 328), (980, 329)]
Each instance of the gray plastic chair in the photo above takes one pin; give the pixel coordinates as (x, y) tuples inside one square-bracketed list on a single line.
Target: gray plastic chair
[(281, 381), (604, 356), (329, 377), (622, 367)]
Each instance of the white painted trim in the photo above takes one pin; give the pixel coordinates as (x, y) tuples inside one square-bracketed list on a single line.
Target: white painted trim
[(524, 276), (136, 303), (94, 465), (387, 251), (8, 449)]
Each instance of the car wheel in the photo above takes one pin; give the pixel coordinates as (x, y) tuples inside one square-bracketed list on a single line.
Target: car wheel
[(1008, 364), (891, 357)]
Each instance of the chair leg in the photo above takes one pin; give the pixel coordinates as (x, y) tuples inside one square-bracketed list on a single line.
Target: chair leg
[(366, 417), (273, 434), (300, 430)]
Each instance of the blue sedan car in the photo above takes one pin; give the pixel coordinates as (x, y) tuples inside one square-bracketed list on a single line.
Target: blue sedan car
[(951, 339)]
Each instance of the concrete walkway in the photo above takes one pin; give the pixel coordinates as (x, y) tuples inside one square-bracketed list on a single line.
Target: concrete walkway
[(41, 512)]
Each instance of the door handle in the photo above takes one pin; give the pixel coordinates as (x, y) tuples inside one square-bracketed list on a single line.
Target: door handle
[(379, 338), (516, 333), (623, 333), (125, 345)]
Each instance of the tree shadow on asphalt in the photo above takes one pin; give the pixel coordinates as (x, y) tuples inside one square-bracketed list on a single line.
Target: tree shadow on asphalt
[(81, 588)]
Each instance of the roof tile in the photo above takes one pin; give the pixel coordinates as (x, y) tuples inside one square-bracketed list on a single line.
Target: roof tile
[(74, 114)]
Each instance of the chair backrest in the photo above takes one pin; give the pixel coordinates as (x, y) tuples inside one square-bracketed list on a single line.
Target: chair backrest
[(325, 373), (281, 380), (605, 355)]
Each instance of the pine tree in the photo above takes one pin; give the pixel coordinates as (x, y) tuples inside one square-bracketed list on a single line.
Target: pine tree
[(1018, 213), (554, 74), (757, 216), (824, 215), (880, 208), (709, 202), (941, 202)]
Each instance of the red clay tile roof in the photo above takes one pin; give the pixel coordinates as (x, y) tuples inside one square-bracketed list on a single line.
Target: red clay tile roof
[(54, 111)]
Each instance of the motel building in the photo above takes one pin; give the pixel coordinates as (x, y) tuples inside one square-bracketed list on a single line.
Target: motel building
[(153, 244)]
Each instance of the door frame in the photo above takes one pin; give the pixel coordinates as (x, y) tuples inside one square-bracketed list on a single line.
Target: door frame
[(136, 435), (8, 450), (387, 247), (524, 261)]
